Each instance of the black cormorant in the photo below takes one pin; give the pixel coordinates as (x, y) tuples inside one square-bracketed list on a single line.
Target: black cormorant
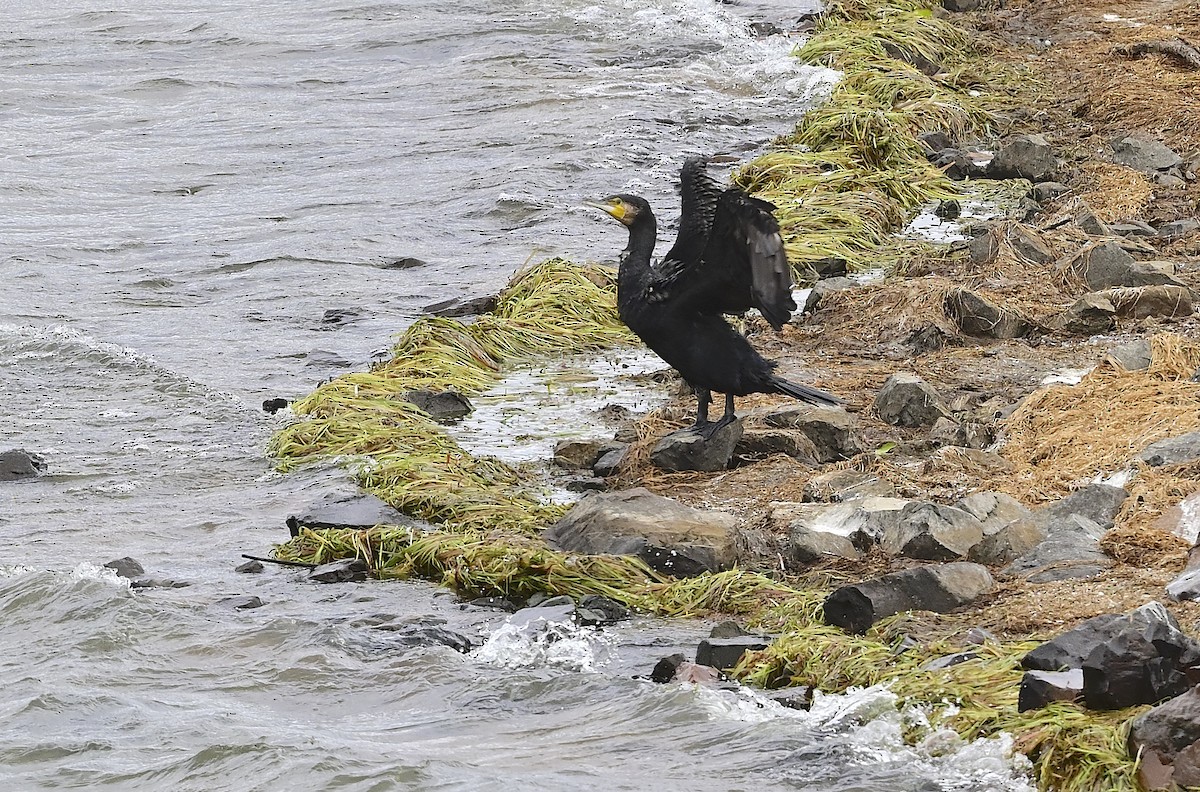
[(727, 258)]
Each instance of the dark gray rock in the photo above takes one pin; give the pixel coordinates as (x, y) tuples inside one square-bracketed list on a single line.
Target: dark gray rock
[(1039, 688), (610, 462), (1071, 549), (419, 636), (831, 429), (1167, 731), (932, 532), (970, 434), (442, 406), (1044, 192), (725, 653), (19, 464), (939, 588), (1145, 156), (353, 511), (249, 568), (759, 443), (836, 486), (150, 582), (1030, 245), (1131, 356), (823, 288), (728, 629), (984, 248), (1024, 157), (665, 669), (1132, 668), (455, 306), (797, 698), (1105, 264), (537, 619), (1172, 451), (243, 602), (347, 570), (1091, 225), (404, 262), (687, 449), (907, 400), (589, 484), (807, 546), (863, 521), (979, 317), (126, 567), (935, 141), (272, 406), (910, 55), (1177, 229), (1134, 228), (1090, 315), (667, 535), (496, 603), (960, 6), (1185, 587), (928, 338), (595, 610), (994, 510), (958, 164), (1009, 543), (948, 661), (947, 210), (1139, 302), (577, 454), (1097, 502)]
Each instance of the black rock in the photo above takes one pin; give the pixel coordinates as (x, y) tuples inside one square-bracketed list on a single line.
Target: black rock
[(1131, 668), (250, 567), (724, 653), (126, 567), (798, 698), (458, 307), (934, 142), (273, 406), (420, 636), (442, 406), (948, 209), (243, 602), (1039, 688), (495, 603), (665, 669), (727, 629), (687, 449), (939, 588), (149, 582), (343, 571), (591, 484), (356, 511), (595, 610), (19, 463), (404, 262)]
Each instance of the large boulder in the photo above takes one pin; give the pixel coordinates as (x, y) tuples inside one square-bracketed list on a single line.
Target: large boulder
[(1143, 155), (1024, 157), (666, 534), (1071, 549), (1168, 737), (936, 587), (977, 316), (19, 463), (932, 532), (831, 429), (907, 400), (1106, 263), (687, 449)]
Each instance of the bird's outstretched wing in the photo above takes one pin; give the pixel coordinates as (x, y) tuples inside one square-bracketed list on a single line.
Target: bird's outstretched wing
[(729, 255)]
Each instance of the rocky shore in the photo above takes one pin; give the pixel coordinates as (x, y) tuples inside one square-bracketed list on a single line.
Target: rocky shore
[(1000, 519)]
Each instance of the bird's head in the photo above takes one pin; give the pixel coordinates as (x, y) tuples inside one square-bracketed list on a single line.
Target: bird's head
[(625, 208)]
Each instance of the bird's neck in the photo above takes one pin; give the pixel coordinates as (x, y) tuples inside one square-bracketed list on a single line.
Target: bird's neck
[(635, 259)]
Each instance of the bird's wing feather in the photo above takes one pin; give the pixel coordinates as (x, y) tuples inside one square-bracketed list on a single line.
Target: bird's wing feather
[(699, 195), (745, 240)]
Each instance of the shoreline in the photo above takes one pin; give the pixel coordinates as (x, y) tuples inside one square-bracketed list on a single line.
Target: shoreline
[(839, 199)]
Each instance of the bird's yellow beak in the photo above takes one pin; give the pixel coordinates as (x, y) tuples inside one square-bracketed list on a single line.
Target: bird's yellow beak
[(614, 206)]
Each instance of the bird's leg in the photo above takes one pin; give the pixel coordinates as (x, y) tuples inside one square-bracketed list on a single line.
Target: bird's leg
[(729, 417), (703, 399)]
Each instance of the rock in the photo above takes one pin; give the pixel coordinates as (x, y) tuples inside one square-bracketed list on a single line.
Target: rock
[(1172, 451), (149, 582), (1145, 156), (249, 568), (337, 316), (948, 210), (939, 588), (808, 547), (797, 698), (1178, 228), (1185, 587), (977, 316), (1030, 245), (1163, 733), (994, 510), (405, 262), (442, 406), (1090, 315), (244, 602), (948, 661), (126, 567), (1092, 225), (1009, 543), (967, 435), (343, 571), (1039, 688), (498, 603), (19, 464), (1045, 192), (984, 248), (727, 629), (610, 462), (932, 532), (907, 400), (835, 486), (935, 141), (667, 535), (823, 288), (863, 521), (926, 339), (687, 449), (597, 610), (1024, 157), (1132, 356), (765, 442), (1103, 265), (354, 511), (1097, 502), (272, 406), (1134, 228), (419, 636), (961, 5), (910, 55), (1130, 669), (1071, 549), (725, 653), (1139, 302), (959, 165), (666, 668), (455, 306), (831, 429), (576, 454), (1170, 181), (546, 617)]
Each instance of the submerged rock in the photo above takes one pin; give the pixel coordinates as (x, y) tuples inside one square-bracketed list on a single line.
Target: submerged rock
[(19, 463), (939, 588), (725, 653), (347, 570), (907, 400), (242, 602), (687, 449), (126, 567), (667, 535), (442, 406)]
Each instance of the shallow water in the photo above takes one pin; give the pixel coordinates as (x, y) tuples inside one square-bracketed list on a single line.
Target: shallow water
[(202, 206)]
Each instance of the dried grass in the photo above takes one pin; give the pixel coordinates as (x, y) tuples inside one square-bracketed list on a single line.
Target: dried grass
[(1113, 192)]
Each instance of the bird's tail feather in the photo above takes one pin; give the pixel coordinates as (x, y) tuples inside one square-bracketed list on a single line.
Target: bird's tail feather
[(805, 393)]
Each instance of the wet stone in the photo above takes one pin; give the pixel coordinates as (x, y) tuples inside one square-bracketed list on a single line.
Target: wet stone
[(19, 464), (1039, 688), (244, 602), (419, 636), (933, 142), (493, 603), (797, 698), (441, 406), (665, 669), (249, 568), (687, 449), (346, 570), (577, 454), (590, 484), (152, 583), (597, 610), (272, 406), (727, 629), (462, 307), (354, 511), (610, 462), (725, 653), (126, 567)]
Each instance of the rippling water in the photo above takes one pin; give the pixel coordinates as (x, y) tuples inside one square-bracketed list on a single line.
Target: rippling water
[(201, 206)]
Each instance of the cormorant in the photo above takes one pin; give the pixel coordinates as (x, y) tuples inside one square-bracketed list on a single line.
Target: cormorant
[(727, 258)]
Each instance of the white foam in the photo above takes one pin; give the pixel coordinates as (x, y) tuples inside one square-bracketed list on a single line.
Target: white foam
[(559, 645), (89, 571)]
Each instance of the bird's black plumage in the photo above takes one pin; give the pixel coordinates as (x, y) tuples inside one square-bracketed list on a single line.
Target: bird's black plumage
[(727, 258)]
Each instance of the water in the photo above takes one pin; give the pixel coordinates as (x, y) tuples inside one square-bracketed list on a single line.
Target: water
[(202, 204)]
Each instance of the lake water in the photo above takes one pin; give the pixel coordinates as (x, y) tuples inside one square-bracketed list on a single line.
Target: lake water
[(201, 205)]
